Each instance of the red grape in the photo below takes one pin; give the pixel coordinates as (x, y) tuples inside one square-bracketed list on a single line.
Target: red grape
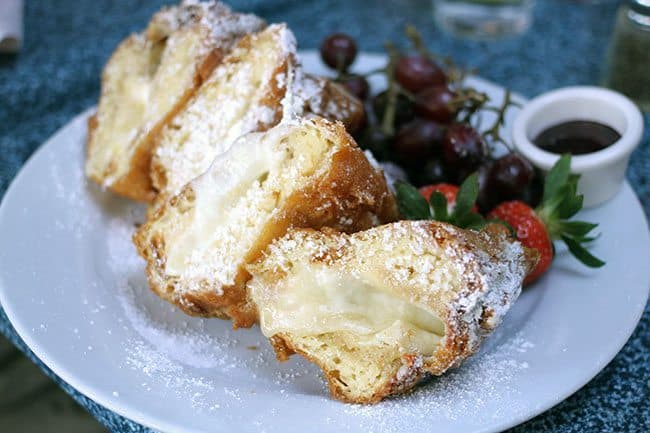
[(434, 103), (509, 176), (338, 51), (403, 110), (463, 150), (486, 201), (416, 72), (417, 141), (376, 141), (433, 172), (532, 194), (356, 85)]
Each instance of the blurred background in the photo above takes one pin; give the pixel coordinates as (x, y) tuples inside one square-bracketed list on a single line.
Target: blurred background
[(52, 58)]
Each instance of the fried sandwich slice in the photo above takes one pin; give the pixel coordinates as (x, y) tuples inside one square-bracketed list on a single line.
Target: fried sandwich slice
[(150, 77), (258, 84), (301, 173), (379, 309), (243, 94)]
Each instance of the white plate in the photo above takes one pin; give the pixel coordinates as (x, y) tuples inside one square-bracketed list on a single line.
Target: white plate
[(75, 291)]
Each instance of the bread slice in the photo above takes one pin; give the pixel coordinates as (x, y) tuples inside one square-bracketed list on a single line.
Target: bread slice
[(149, 77), (378, 309), (305, 173), (242, 95), (249, 92)]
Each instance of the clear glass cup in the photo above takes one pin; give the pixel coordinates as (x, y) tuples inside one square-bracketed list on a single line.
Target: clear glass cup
[(483, 18), (628, 58)]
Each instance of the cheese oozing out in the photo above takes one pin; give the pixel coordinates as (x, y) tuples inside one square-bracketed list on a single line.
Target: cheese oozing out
[(316, 299), (145, 81), (233, 201), (121, 116), (235, 100)]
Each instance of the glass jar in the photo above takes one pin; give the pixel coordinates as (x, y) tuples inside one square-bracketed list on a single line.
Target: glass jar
[(628, 62), (483, 18)]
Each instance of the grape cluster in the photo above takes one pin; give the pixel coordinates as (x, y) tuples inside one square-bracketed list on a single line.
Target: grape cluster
[(423, 122)]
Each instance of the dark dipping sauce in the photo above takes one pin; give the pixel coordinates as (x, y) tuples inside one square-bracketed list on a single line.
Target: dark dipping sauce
[(576, 137)]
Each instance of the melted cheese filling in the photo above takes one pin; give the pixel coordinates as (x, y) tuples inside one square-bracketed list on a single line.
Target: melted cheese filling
[(128, 119), (228, 106), (241, 192), (146, 81), (216, 194), (122, 110), (313, 302)]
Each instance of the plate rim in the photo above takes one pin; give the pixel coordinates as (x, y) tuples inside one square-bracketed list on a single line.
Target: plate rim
[(103, 397)]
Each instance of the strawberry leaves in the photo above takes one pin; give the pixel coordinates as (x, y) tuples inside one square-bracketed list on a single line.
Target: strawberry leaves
[(581, 253), (467, 195), (557, 178), (439, 208), (561, 202), (413, 206)]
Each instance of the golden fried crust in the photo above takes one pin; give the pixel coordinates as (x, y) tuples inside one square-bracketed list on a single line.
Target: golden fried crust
[(333, 103), (399, 384), (350, 196), (92, 126), (137, 184), (277, 91)]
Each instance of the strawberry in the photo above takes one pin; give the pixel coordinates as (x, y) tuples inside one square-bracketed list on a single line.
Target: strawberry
[(538, 228), (441, 202), (449, 190), (530, 231)]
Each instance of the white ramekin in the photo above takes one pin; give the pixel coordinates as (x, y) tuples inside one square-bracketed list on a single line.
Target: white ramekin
[(602, 172)]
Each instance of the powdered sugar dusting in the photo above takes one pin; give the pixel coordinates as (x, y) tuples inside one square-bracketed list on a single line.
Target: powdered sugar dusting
[(183, 351), (80, 215), (216, 369), (237, 90), (493, 271), (196, 348), (392, 172), (226, 27), (300, 90)]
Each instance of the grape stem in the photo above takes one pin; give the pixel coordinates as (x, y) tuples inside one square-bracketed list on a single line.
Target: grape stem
[(346, 74), (470, 101), (410, 96), (340, 66), (374, 72), (416, 40), (494, 132), (388, 120)]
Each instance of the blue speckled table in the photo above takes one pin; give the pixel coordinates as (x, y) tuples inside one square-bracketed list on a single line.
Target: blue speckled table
[(55, 76)]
